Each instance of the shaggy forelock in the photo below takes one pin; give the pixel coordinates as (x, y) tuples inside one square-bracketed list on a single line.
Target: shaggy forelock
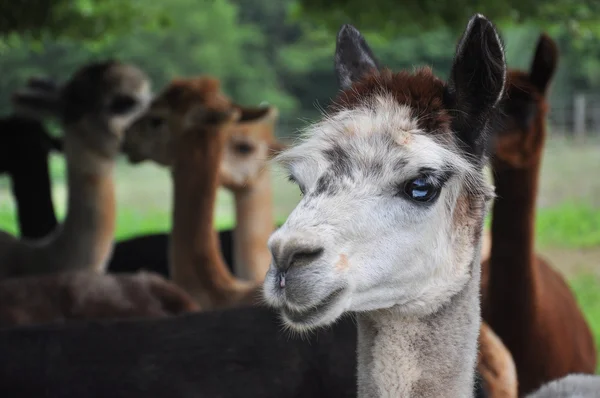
[(377, 139)]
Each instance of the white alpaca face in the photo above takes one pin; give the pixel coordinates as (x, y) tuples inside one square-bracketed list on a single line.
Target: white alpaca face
[(377, 226)]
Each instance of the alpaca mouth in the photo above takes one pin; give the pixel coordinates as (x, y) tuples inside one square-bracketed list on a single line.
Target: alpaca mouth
[(315, 312)]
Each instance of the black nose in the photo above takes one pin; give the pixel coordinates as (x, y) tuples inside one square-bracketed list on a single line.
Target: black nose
[(294, 255)]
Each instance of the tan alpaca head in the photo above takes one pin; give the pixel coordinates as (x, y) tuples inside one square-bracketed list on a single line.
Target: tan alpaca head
[(252, 142), (251, 146), (95, 106), (183, 106), (394, 192)]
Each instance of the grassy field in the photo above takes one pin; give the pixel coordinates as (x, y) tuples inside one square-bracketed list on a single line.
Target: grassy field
[(568, 218)]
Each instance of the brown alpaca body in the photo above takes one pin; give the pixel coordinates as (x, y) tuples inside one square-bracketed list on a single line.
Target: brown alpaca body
[(81, 295), (244, 170), (196, 263), (526, 302)]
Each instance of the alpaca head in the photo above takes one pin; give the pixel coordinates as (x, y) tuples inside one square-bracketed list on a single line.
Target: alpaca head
[(394, 192), (520, 139), (251, 146), (95, 106), (252, 142), (187, 108)]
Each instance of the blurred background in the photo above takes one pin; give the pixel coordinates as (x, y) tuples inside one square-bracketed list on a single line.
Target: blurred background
[(281, 52)]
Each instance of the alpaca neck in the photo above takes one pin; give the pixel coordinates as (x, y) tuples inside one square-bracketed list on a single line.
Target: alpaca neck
[(512, 260), (254, 225), (31, 188), (85, 239), (195, 258), (430, 356)]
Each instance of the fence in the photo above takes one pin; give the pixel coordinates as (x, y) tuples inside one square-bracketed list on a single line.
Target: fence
[(574, 116), (577, 116)]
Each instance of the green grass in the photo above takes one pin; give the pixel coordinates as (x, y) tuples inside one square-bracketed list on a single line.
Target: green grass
[(587, 290), (572, 225)]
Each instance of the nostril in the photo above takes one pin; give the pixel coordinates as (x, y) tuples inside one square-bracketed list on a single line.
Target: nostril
[(303, 256)]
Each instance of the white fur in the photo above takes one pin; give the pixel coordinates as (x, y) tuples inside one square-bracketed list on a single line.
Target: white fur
[(399, 253), (571, 386)]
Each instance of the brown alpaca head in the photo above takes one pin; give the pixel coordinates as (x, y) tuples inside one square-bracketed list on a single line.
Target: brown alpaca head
[(95, 106), (520, 141), (252, 144), (185, 106)]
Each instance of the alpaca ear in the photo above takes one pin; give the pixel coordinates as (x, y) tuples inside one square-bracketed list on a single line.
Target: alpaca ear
[(353, 57), (199, 115), (544, 63), (37, 104), (263, 114), (476, 82)]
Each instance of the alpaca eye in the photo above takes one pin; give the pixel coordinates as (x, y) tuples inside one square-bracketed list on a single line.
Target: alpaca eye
[(421, 190), (243, 148), (121, 104)]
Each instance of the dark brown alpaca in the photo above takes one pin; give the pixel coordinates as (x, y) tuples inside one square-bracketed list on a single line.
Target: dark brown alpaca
[(525, 301), (81, 295), (26, 146)]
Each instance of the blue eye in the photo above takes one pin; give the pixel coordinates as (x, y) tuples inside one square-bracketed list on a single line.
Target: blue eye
[(421, 190)]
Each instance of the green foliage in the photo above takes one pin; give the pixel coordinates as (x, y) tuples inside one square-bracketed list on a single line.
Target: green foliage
[(414, 16), (80, 19)]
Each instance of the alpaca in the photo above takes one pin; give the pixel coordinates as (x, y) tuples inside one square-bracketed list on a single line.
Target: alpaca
[(30, 178), (197, 149), (527, 303), (181, 356), (244, 171), (24, 157), (496, 366), (95, 106), (390, 224), (185, 355), (76, 295)]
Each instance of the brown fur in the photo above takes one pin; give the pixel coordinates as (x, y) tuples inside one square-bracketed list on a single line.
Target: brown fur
[(421, 90), (496, 365), (199, 139), (85, 295), (525, 301)]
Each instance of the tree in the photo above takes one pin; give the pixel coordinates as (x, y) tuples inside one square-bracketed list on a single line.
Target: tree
[(80, 19), (392, 16)]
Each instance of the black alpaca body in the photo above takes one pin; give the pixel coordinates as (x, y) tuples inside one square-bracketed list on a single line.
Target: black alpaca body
[(225, 354), (150, 252), (24, 155), (220, 354)]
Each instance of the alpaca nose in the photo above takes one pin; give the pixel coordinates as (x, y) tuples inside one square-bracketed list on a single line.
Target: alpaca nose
[(294, 253)]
